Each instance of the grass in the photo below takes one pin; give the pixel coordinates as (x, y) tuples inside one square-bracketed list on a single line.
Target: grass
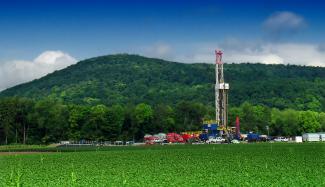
[(21, 147), (179, 165)]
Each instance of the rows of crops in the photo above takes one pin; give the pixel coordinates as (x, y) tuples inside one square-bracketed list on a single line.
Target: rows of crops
[(183, 165)]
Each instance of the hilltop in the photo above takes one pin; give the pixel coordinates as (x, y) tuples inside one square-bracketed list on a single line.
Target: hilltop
[(132, 79)]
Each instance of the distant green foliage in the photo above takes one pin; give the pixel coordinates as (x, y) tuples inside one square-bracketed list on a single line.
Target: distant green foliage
[(286, 122), (132, 79), (123, 97), (49, 121)]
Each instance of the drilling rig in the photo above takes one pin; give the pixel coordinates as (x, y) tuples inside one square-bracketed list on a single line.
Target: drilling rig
[(221, 96)]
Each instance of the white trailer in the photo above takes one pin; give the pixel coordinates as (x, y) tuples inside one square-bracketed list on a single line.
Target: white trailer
[(311, 137), (298, 139), (322, 136)]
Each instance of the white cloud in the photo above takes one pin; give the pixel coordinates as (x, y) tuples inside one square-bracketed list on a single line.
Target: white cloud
[(265, 58), (283, 23), (302, 54), (54, 58), (20, 71), (279, 25), (259, 52), (158, 50)]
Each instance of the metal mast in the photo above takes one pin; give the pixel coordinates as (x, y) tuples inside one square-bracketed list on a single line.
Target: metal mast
[(221, 94)]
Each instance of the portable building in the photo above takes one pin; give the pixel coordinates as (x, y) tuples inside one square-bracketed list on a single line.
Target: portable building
[(65, 142), (311, 137), (322, 136), (298, 139)]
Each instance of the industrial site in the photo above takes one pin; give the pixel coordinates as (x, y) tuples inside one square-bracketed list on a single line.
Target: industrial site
[(157, 93), (217, 131)]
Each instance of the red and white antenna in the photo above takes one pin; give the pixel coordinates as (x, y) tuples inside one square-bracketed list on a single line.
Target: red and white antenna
[(218, 56)]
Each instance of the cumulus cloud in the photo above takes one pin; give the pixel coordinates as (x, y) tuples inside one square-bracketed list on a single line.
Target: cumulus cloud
[(20, 71), (301, 54), (277, 25), (284, 23), (258, 52)]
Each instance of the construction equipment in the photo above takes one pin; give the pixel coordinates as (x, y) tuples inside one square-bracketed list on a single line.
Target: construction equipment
[(174, 138), (253, 137), (237, 129), (155, 139), (149, 139)]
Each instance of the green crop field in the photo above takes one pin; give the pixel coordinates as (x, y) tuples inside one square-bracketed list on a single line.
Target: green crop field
[(178, 165)]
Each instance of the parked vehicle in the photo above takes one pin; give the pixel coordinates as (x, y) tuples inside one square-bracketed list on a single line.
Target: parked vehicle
[(281, 139), (174, 138), (129, 143), (204, 137), (252, 137), (264, 138), (216, 140), (149, 139)]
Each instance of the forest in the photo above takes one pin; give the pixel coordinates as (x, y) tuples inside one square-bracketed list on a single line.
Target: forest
[(123, 97), (131, 79), (24, 121)]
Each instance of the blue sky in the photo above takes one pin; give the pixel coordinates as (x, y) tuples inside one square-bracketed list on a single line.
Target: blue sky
[(270, 31)]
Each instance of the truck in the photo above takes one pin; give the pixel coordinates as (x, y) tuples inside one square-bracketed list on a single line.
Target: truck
[(216, 140), (174, 138), (253, 137)]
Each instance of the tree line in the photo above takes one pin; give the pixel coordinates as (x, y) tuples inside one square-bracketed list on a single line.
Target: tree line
[(28, 121)]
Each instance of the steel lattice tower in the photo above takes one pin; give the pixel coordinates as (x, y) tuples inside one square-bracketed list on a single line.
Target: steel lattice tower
[(221, 94)]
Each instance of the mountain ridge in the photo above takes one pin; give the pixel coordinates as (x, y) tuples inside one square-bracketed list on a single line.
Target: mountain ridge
[(124, 79)]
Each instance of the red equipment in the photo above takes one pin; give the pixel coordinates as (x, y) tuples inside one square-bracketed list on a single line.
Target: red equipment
[(218, 57), (150, 139), (237, 127), (187, 137), (174, 138)]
